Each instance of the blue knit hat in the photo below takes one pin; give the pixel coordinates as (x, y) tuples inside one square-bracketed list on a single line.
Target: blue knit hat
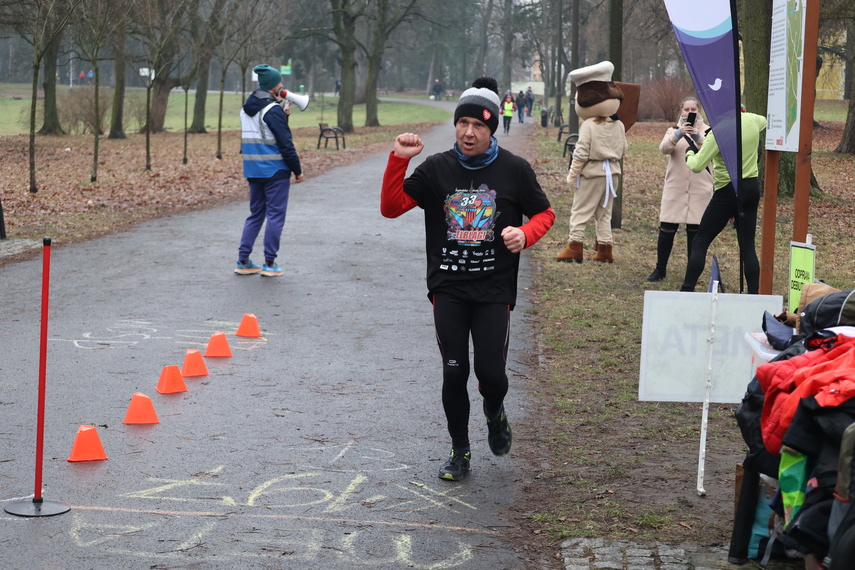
[(268, 77)]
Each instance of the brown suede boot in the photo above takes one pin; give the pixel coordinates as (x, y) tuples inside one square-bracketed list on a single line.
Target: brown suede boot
[(604, 253), (573, 252)]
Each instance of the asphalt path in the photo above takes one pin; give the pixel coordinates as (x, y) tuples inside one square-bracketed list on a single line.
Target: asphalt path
[(314, 446)]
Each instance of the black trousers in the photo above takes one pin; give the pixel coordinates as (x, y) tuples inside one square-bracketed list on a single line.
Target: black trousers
[(725, 204), (488, 324)]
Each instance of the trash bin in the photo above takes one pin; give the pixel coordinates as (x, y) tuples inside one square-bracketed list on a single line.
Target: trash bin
[(544, 117), (302, 89)]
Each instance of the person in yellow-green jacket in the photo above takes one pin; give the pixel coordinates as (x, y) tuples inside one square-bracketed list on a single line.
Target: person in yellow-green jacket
[(726, 204), (508, 109)]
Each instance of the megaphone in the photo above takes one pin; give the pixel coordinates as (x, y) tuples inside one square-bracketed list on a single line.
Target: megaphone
[(301, 101)]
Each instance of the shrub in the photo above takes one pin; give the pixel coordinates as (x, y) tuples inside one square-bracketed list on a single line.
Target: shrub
[(660, 98), (135, 110), (77, 110)]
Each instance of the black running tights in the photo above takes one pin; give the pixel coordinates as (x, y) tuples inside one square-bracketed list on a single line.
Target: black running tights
[(725, 204), (489, 325)]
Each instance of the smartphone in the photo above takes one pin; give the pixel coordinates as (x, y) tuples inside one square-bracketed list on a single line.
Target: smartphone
[(691, 118)]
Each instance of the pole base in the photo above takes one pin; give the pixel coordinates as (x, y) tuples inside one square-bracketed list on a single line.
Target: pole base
[(37, 508)]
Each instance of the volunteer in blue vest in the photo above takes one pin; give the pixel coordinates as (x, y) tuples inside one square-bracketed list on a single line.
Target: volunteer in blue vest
[(269, 159)]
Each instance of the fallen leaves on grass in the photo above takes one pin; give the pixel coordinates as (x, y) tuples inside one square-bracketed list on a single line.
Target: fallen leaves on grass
[(68, 207)]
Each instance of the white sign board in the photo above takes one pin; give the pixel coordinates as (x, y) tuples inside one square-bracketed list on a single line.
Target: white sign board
[(675, 344), (785, 75)]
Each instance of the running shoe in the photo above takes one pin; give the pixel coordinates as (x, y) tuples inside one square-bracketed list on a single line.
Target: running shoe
[(498, 432), (247, 268), (457, 466), (271, 270)]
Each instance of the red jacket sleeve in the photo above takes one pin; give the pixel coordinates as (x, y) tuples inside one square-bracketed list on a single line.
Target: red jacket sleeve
[(537, 226), (393, 200)]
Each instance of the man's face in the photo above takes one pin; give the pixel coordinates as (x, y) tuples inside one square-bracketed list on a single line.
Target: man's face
[(473, 136)]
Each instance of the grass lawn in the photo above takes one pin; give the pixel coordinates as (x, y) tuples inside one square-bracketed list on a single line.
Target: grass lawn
[(15, 108)]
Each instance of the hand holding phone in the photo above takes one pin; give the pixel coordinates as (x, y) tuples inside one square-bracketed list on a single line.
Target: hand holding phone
[(691, 118)]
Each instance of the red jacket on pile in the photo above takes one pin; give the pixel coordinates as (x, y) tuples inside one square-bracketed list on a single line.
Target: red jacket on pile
[(830, 371)]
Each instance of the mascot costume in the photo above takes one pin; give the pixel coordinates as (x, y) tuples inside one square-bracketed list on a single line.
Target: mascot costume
[(595, 170)]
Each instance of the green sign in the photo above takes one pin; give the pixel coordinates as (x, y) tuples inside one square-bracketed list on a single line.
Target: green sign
[(802, 269), (286, 69)]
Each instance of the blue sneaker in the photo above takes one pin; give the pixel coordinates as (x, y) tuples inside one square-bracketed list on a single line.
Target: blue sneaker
[(247, 268), (271, 270)]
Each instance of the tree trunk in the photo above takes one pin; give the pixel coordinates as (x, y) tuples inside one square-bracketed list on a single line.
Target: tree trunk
[(148, 127), (507, 43), (375, 61), (33, 99), (559, 57), (483, 44), (572, 117), (220, 114), (203, 71), (204, 54), (847, 143), (51, 124), (616, 57), (616, 38), (98, 125), (756, 24), (399, 72), (344, 28), (430, 77), (117, 114), (160, 102)]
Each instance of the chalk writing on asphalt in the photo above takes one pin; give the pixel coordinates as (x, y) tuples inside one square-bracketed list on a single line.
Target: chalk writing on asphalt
[(127, 333), (306, 517)]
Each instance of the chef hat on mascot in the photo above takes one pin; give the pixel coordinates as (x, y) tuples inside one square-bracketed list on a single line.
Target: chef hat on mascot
[(596, 93)]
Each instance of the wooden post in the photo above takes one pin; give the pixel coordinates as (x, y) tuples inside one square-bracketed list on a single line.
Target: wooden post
[(801, 202)]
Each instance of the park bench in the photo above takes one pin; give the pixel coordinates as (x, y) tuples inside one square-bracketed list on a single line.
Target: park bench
[(449, 94), (564, 129), (570, 145), (382, 91), (327, 132)]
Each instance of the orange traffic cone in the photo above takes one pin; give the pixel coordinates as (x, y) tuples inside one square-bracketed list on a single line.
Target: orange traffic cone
[(218, 345), (249, 326), (141, 410), (194, 364), (87, 446), (170, 381)]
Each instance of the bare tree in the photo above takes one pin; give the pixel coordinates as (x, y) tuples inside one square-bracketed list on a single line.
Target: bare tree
[(93, 30), (384, 18), (483, 45), (508, 30), (158, 26), (118, 38), (207, 30), (242, 21), (42, 23), (345, 14)]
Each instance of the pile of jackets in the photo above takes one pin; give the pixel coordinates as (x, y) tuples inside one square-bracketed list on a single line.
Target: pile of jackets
[(793, 417)]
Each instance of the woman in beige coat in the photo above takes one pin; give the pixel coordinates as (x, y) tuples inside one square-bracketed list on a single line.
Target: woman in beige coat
[(685, 194)]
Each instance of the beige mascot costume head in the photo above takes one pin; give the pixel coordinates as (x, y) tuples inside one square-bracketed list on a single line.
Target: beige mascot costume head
[(595, 170)]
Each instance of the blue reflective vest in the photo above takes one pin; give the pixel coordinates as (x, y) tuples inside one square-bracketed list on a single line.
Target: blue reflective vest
[(261, 156)]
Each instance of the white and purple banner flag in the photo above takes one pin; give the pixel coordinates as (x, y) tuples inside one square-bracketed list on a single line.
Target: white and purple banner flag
[(707, 35)]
